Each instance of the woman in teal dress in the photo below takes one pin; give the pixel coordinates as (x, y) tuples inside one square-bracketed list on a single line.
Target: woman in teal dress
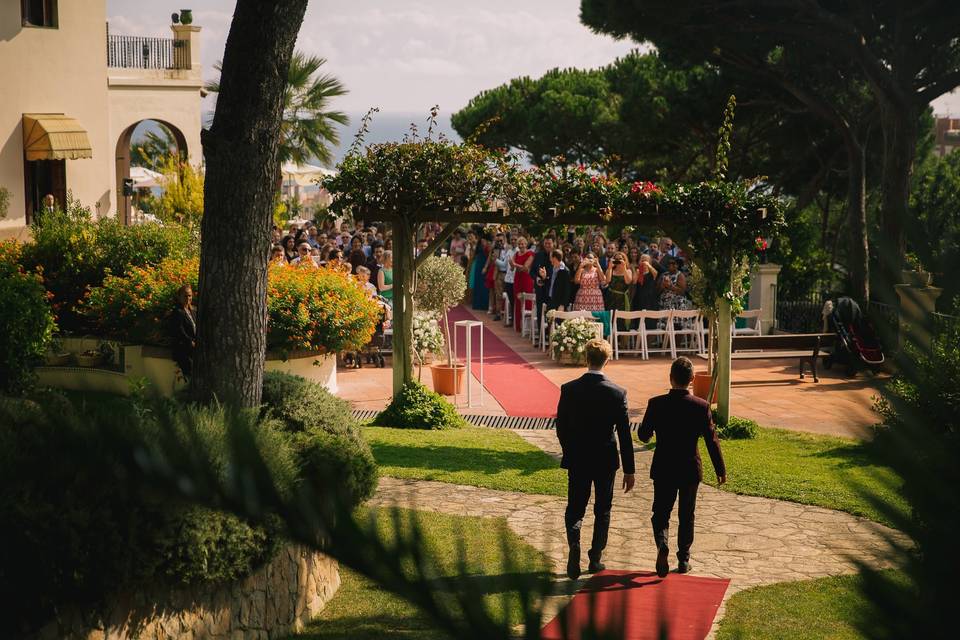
[(481, 295)]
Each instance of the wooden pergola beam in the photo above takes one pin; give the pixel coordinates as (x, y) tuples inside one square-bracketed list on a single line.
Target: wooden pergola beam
[(436, 243)]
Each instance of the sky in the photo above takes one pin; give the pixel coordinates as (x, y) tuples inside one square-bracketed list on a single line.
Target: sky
[(404, 56)]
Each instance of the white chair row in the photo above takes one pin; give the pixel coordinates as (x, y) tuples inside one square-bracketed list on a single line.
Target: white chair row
[(668, 328)]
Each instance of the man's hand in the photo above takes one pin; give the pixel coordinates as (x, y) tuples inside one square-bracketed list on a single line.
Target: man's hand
[(628, 481), (721, 480)]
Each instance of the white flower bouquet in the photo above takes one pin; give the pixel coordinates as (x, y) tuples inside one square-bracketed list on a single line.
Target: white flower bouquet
[(427, 335), (570, 337)]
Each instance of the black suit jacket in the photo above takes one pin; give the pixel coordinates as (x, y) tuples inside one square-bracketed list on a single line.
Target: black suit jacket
[(561, 290), (541, 259), (679, 419), (591, 418)]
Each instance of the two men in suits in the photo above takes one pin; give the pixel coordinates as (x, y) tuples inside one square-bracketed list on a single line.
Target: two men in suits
[(679, 419), (591, 420)]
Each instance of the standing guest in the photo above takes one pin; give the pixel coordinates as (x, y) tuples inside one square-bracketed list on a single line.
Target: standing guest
[(510, 271), (579, 246), (481, 295), (303, 259), (421, 246), (276, 255), (679, 419), (363, 278), (645, 296), (312, 238), (499, 269), (619, 280), (522, 261), (589, 278), (458, 248), (276, 234), (183, 330), (335, 259), (591, 420), (375, 262), (289, 249), (385, 277), (388, 243), (543, 268), (633, 258), (356, 257), (558, 290), (607, 257), (673, 286)]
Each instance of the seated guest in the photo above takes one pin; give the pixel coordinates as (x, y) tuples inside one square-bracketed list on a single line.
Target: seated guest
[(558, 291), (303, 259), (289, 248), (363, 277), (276, 255), (183, 330), (356, 257)]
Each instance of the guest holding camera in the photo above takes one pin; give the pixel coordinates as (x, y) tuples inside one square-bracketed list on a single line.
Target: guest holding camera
[(590, 278)]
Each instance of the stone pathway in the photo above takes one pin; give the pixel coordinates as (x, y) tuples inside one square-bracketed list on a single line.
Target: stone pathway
[(753, 541)]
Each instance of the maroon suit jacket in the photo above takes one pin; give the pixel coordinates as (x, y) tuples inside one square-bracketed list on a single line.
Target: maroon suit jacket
[(679, 419)]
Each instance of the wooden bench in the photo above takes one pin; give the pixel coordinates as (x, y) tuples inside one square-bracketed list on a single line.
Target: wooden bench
[(805, 346)]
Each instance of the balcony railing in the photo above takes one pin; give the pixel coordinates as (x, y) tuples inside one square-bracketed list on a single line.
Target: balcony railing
[(136, 52)]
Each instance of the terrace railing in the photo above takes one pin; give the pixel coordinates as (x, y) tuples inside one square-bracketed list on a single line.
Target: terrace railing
[(137, 52)]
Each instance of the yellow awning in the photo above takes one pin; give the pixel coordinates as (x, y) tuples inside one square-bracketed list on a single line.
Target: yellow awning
[(54, 136)]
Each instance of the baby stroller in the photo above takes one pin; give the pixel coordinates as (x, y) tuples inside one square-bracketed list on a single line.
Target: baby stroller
[(373, 349), (857, 344)]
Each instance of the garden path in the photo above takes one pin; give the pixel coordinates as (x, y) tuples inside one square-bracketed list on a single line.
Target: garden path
[(753, 541)]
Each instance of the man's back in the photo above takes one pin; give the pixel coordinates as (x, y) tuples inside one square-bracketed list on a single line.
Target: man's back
[(679, 419), (591, 417)]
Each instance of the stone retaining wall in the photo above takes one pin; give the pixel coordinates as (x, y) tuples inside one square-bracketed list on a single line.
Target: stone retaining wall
[(278, 599)]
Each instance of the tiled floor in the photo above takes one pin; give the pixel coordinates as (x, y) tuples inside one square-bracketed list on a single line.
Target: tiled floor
[(768, 391)]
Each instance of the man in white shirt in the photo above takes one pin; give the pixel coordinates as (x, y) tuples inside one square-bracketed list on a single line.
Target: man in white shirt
[(506, 260)]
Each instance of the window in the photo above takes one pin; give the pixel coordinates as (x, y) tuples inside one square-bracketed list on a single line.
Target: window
[(39, 13)]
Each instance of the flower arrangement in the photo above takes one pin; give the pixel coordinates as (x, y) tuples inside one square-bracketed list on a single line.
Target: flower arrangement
[(309, 309), (440, 286), (570, 337), (427, 336)]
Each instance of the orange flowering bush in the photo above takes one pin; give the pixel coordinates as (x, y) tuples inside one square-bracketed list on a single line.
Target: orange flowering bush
[(135, 307), (318, 308), (309, 309)]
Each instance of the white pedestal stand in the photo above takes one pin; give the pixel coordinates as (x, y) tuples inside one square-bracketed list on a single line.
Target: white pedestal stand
[(468, 326)]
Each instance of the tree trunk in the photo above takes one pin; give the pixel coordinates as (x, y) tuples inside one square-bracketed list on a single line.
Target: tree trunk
[(403, 273), (859, 258), (240, 150), (900, 146)]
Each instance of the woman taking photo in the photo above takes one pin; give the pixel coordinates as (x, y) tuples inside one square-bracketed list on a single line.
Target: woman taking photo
[(619, 278), (589, 278), (673, 285)]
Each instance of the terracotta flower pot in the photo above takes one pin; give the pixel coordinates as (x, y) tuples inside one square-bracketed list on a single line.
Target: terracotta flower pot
[(701, 385), (447, 381)]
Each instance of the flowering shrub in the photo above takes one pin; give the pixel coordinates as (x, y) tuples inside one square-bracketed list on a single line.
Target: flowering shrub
[(26, 321), (427, 335), (570, 337), (318, 309), (309, 309)]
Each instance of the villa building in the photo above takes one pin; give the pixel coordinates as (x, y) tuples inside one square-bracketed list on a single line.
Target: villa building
[(72, 95)]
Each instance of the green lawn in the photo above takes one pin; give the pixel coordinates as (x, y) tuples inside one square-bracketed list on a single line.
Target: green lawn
[(807, 610), (828, 472), (481, 457), (362, 611)]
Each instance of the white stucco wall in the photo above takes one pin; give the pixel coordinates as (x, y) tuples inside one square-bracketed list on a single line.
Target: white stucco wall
[(64, 70)]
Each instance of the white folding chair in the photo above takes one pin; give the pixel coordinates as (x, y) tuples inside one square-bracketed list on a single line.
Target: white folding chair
[(662, 330), (616, 333), (507, 317), (687, 324), (560, 316), (752, 317), (528, 317), (537, 338)]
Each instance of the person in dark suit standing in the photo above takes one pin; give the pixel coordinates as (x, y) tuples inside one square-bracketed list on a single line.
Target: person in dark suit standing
[(183, 330), (558, 289), (591, 419), (541, 270), (679, 420)]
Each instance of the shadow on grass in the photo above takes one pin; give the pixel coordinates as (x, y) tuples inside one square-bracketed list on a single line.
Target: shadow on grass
[(395, 627), (482, 584), (850, 456), (459, 458)]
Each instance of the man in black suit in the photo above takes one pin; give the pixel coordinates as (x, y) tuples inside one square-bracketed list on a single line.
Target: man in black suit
[(679, 419), (542, 269), (558, 289), (591, 418)]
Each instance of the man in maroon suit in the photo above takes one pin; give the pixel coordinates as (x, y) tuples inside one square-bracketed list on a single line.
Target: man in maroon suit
[(679, 419)]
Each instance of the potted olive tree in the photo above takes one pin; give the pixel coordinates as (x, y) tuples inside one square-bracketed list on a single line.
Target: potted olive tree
[(441, 285)]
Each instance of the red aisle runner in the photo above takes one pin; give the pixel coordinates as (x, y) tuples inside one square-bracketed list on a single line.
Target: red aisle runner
[(520, 389), (634, 605)]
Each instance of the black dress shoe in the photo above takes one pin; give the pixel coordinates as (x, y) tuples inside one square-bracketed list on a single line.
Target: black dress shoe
[(573, 563), (663, 562), (684, 566), (595, 566)]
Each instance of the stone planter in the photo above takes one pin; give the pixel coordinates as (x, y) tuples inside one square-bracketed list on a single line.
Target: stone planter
[(916, 278)]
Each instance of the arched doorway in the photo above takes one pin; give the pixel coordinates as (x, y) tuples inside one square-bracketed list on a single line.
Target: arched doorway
[(141, 143)]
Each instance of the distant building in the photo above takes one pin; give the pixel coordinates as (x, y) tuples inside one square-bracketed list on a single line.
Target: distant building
[(947, 135), (73, 93)]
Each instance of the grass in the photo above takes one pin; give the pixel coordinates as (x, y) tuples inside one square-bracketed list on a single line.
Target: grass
[(810, 469), (806, 610), (476, 456), (360, 610)]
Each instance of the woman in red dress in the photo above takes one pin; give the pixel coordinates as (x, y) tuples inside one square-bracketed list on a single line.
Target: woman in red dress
[(523, 281)]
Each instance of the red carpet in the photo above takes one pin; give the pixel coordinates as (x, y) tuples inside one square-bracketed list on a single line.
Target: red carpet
[(516, 384), (634, 605)]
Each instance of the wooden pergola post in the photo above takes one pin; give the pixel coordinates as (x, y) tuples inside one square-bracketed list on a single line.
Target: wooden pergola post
[(724, 349), (403, 266)]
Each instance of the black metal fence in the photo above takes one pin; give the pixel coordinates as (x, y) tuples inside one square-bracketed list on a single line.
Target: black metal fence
[(136, 52), (801, 316)]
